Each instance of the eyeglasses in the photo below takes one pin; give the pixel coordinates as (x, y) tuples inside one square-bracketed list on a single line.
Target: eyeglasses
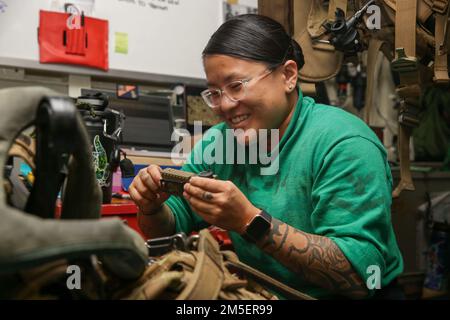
[(235, 91)]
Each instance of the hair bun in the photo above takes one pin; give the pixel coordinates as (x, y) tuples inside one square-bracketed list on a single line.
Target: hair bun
[(257, 38), (297, 53)]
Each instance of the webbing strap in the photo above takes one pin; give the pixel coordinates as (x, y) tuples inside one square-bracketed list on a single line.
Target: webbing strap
[(232, 262), (208, 275), (424, 10), (308, 89), (372, 55), (406, 182), (405, 64), (405, 26), (440, 60)]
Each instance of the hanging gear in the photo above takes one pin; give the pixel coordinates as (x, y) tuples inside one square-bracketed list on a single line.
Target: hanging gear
[(322, 29), (104, 126), (322, 60), (344, 34)]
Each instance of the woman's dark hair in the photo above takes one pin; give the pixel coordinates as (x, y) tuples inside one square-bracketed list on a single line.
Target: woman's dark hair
[(255, 37)]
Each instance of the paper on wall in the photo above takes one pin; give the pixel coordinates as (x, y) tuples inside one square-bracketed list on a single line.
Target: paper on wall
[(87, 6)]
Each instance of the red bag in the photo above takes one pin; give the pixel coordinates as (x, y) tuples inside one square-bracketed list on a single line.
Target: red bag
[(86, 45)]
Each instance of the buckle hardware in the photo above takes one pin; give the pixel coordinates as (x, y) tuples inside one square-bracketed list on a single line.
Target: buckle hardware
[(439, 6), (403, 63), (179, 241)]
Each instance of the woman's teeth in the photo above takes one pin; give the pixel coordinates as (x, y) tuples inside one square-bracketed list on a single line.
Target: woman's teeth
[(239, 119)]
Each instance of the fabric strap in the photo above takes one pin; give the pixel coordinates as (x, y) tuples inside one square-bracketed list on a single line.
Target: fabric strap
[(441, 38), (372, 55), (208, 274), (233, 263), (405, 64)]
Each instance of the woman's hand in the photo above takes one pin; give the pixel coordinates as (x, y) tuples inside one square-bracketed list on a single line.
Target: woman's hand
[(145, 189), (220, 203)]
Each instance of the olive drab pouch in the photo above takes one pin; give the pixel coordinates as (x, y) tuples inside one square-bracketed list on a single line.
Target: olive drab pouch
[(322, 60)]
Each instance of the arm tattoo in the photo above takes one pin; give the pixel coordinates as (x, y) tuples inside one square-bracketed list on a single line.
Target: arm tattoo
[(315, 258), (276, 233)]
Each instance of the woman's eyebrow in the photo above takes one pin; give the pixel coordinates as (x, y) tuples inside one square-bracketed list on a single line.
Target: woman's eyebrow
[(233, 76), (230, 77)]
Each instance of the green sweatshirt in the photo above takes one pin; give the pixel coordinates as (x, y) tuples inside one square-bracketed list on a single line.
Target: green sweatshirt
[(333, 180)]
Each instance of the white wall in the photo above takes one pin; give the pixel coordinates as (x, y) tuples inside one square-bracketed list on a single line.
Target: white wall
[(165, 37)]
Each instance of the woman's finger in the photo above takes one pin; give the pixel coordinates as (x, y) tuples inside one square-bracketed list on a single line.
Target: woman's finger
[(199, 193), (200, 205), (137, 197), (143, 190), (147, 180), (208, 184)]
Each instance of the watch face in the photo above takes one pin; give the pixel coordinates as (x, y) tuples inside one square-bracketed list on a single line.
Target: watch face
[(259, 226)]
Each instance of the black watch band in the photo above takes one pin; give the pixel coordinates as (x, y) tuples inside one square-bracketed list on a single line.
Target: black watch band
[(258, 227)]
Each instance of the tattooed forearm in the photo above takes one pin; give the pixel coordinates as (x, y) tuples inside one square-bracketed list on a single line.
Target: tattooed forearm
[(271, 243), (315, 258)]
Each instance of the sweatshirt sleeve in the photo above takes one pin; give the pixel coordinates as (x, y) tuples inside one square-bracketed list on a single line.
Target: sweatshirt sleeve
[(351, 205), (186, 220)]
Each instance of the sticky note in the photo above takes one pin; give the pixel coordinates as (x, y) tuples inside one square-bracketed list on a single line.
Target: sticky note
[(121, 43)]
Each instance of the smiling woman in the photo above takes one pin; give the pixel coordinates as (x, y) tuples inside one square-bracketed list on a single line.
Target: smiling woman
[(257, 76), (315, 224)]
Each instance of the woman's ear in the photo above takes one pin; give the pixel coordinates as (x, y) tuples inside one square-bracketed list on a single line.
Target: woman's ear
[(290, 72)]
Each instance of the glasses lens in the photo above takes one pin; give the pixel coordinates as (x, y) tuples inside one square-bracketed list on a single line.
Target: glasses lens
[(211, 97), (235, 90)]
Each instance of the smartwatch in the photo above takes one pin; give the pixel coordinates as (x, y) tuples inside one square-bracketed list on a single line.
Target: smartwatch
[(258, 227)]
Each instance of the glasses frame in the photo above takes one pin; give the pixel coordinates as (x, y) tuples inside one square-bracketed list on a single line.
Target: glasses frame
[(222, 91)]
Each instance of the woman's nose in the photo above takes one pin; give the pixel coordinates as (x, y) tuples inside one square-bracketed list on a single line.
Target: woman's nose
[(227, 104)]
